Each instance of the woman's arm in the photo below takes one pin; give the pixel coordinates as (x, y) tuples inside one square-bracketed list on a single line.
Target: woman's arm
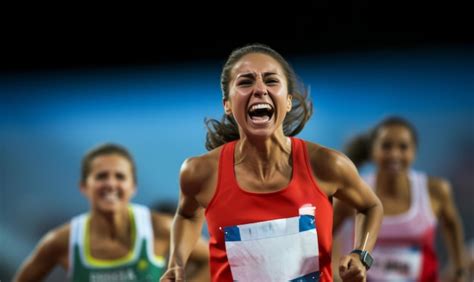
[(356, 193), (47, 254), (341, 180), (340, 234), (197, 269), (451, 225), (189, 218), (200, 260), (342, 212), (353, 191)]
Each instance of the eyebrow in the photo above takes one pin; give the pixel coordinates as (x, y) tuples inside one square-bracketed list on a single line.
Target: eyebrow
[(252, 74)]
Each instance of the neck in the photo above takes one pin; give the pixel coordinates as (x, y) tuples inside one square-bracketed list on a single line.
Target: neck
[(115, 225), (264, 157), (392, 184)]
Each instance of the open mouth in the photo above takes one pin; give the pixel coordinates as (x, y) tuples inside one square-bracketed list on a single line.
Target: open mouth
[(394, 166), (110, 196), (261, 112)]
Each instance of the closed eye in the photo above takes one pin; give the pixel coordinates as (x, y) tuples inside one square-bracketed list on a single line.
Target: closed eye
[(120, 176), (386, 146), (244, 82), (101, 175), (272, 81), (403, 146)]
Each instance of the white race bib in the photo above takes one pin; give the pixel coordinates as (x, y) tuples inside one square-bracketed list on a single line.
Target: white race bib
[(395, 263), (275, 250)]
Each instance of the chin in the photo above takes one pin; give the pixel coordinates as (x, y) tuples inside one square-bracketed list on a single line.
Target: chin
[(260, 134), (110, 207), (263, 132), (395, 172)]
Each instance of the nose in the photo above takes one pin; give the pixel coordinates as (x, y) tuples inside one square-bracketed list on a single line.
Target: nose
[(260, 87), (394, 153), (111, 181)]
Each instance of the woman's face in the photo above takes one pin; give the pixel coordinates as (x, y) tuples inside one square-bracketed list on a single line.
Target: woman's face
[(110, 184), (394, 149), (258, 95)]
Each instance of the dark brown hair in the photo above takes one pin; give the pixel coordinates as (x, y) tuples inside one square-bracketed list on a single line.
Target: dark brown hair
[(226, 130), (359, 148), (105, 149)]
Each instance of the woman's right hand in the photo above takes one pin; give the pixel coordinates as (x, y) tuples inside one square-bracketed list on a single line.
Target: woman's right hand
[(173, 274)]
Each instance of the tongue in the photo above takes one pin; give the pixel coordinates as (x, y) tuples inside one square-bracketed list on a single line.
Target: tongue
[(260, 119)]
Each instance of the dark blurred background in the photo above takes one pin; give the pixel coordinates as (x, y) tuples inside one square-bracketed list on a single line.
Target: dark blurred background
[(75, 80)]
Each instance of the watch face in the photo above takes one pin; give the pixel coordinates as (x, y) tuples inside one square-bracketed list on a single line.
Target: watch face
[(367, 259)]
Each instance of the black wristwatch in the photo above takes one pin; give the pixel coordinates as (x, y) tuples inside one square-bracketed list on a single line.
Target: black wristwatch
[(366, 259)]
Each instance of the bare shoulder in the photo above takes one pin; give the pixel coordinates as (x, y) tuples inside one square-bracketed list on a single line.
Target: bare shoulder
[(328, 164), (439, 188), (56, 241), (52, 249), (161, 224), (197, 171)]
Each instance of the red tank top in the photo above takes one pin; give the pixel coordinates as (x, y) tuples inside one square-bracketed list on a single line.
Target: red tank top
[(231, 206)]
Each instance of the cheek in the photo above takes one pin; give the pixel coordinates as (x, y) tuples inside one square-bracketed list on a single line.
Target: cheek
[(281, 92), (378, 159), (377, 154), (237, 106), (91, 188), (131, 190), (238, 94), (238, 102), (91, 193), (409, 156), (284, 101), (95, 192)]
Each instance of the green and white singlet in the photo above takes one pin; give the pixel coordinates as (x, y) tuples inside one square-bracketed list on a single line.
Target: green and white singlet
[(140, 264)]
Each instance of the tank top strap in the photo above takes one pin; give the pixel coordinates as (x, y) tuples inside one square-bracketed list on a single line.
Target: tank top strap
[(145, 234), (78, 224), (143, 226), (416, 192), (302, 169), (225, 174), (76, 238), (226, 166), (419, 182), (298, 156)]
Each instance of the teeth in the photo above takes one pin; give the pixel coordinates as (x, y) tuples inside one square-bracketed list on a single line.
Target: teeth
[(260, 106), (111, 196)]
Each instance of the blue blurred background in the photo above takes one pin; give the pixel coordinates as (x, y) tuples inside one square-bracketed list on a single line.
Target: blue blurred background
[(51, 117)]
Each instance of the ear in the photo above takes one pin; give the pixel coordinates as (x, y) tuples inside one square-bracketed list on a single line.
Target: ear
[(289, 102), (83, 188), (227, 107)]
